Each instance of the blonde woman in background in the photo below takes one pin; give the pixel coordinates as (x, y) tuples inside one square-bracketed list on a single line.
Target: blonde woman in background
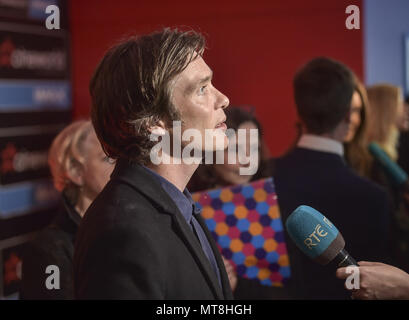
[(80, 169), (387, 110), (386, 116), (375, 116)]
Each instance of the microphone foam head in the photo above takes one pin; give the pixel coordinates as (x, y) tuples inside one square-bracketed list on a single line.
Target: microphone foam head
[(314, 234)]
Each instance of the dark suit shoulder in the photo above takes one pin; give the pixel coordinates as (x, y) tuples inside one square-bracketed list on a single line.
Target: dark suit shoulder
[(119, 228), (324, 171), (120, 204), (122, 214)]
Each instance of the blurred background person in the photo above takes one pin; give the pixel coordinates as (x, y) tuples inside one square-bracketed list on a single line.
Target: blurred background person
[(315, 173), (355, 142), (356, 151), (80, 169), (384, 98), (220, 175), (387, 117), (376, 119), (386, 112)]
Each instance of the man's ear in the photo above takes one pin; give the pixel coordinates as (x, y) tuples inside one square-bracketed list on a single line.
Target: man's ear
[(158, 129), (76, 173)]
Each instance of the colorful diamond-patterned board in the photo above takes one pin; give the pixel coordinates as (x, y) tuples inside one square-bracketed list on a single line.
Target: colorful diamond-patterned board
[(246, 224)]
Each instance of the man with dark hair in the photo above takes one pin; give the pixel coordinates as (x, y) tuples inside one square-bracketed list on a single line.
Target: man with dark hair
[(323, 98), (143, 238), (314, 173)]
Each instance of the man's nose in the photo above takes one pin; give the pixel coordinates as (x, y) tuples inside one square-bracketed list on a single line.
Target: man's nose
[(223, 101)]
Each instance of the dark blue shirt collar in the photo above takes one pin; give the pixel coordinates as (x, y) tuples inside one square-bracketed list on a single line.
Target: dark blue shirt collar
[(183, 200), (186, 206)]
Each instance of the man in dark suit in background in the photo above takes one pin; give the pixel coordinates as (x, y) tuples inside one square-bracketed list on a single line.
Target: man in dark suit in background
[(314, 173), (143, 238)]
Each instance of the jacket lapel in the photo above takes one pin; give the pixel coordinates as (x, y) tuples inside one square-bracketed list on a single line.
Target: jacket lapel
[(192, 243), (223, 274)]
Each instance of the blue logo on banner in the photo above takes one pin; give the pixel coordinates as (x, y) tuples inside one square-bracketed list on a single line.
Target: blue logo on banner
[(25, 197), (34, 95), (36, 8)]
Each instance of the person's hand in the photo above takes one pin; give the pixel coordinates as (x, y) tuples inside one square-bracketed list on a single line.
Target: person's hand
[(379, 281), (231, 274)]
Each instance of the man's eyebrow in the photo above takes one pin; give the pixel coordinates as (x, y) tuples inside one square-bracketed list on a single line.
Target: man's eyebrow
[(190, 88), (207, 78)]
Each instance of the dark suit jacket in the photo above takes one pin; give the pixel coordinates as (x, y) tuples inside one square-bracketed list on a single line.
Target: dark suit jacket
[(133, 243), (54, 245), (357, 207)]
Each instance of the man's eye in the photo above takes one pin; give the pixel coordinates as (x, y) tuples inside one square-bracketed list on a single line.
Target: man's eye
[(202, 89)]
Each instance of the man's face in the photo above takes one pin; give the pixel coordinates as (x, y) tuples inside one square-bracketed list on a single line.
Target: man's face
[(200, 104), (355, 116)]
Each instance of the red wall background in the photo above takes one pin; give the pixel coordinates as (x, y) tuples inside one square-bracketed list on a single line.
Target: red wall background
[(254, 47)]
